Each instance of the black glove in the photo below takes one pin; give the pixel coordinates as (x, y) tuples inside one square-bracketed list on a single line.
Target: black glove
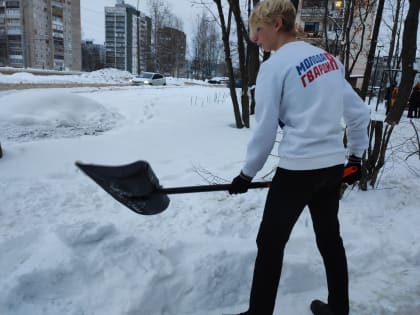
[(352, 170), (240, 184)]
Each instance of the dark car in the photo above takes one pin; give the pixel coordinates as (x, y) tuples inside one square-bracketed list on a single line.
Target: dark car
[(218, 80)]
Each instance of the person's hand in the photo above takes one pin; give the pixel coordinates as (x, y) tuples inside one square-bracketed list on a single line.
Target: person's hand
[(352, 170), (240, 184)]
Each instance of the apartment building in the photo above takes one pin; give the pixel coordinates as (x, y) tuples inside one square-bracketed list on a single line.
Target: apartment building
[(93, 56), (171, 50), (11, 33), (311, 17), (42, 34), (318, 21), (127, 38)]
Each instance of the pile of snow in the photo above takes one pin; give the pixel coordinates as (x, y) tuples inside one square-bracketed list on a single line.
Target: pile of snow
[(102, 76), (108, 75), (33, 114), (68, 248)]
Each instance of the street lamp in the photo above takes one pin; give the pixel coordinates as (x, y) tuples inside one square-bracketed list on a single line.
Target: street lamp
[(374, 73)]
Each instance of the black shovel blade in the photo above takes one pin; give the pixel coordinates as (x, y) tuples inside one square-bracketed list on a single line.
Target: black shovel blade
[(134, 185)]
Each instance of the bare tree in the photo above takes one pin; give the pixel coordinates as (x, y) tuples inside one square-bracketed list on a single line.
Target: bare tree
[(356, 16), (372, 49), (161, 15), (253, 62), (393, 38), (242, 38), (389, 38), (225, 24), (380, 133), (206, 47), (408, 59)]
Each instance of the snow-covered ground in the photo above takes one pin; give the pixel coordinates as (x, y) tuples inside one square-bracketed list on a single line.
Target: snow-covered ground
[(68, 248)]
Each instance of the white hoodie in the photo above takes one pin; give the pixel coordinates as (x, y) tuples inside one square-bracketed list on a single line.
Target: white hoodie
[(302, 89)]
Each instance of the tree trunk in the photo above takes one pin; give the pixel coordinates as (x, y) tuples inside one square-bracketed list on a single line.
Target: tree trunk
[(327, 45), (345, 49), (373, 162), (392, 41), (240, 29), (253, 63), (295, 3), (253, 67), (408, 57), (371, 55), (387, 77), (228, 60)]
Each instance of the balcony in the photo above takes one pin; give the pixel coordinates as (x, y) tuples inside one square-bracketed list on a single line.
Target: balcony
[(14, 32), (312, 12), (320, 12), (336, 14)]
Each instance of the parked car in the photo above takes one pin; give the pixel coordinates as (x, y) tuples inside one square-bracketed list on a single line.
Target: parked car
[(237, 84), (150, 78), (218, 80)]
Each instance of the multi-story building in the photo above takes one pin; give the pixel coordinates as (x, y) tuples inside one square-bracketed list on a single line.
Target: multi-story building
[(40, 34), (11, 33), (127, 38), (145, 41), (318, 21), (93, 56), (311, 17), (171, 50)]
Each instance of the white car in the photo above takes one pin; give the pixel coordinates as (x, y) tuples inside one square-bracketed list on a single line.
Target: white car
[(150, 78)]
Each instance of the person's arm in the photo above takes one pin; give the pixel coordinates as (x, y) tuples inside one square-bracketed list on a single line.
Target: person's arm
[(268, 97), (356, 116)]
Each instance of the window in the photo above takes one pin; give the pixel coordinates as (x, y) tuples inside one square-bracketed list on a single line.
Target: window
[(311, 27), (12, 4), (14, 12)]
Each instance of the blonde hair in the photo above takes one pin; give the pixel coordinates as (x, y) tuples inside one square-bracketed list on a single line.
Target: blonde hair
[(266, 12)]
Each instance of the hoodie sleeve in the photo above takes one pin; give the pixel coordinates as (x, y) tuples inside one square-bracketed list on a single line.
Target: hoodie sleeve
[(268, 97), (356, 116)]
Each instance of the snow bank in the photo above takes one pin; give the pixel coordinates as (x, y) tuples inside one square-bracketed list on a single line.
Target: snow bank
[(32, 114), (100, 76), (68, 248)]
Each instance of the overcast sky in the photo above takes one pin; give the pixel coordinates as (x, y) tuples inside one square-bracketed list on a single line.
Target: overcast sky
[(93, 20), (93, 17)]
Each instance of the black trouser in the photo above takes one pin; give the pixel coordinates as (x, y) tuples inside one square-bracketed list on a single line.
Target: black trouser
[(289, 193)]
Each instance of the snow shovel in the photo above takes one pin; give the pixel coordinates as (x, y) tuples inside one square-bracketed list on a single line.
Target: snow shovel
[(137, 187)]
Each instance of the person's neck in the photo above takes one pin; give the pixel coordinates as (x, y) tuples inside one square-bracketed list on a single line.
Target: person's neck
[(284, 39)]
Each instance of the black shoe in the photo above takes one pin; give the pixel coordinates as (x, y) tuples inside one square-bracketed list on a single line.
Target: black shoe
[(320, 308)]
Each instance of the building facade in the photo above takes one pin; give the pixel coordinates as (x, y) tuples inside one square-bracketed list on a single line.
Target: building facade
[(93, 56), (171, 50), (312, 14), (43, 34), (127, 38), (318, 21)]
